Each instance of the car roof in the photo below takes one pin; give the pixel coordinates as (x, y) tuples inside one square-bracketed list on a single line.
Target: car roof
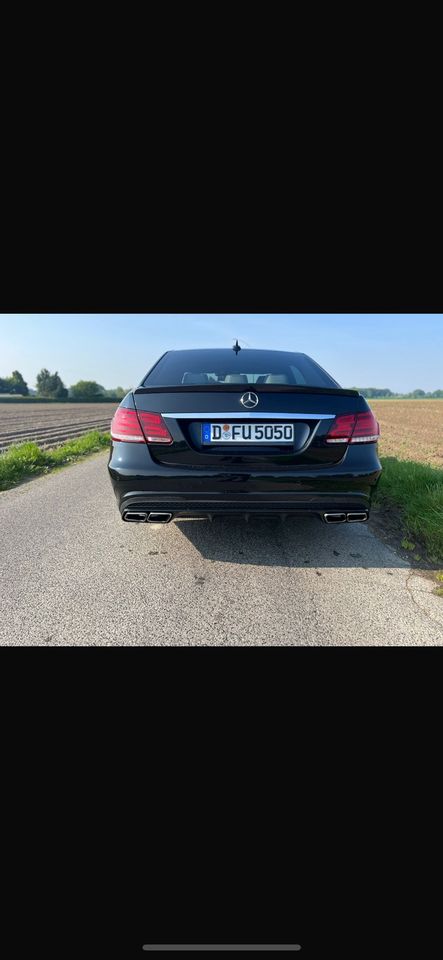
[(231, 349)]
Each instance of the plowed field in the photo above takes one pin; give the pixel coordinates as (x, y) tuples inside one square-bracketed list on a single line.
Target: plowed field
[(50, 424)]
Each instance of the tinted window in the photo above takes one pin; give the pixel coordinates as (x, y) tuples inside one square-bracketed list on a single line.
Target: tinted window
[(200, 367)]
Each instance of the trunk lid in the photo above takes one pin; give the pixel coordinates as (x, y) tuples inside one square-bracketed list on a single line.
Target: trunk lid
[(311, 410)]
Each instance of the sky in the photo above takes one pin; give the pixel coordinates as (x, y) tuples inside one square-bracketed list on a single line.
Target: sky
[(400, 351)]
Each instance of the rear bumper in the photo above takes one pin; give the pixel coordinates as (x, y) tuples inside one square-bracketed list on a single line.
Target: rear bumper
[(142, 485), (163, 511), (197, 505)]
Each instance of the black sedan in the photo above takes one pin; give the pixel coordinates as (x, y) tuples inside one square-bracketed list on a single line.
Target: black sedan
[(246, 432)]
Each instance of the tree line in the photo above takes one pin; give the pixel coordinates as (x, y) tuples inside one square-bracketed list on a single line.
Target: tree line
[(371, 393), (50, 386)]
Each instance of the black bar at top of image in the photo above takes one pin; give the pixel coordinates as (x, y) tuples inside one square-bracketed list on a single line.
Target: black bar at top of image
[(231, 947)]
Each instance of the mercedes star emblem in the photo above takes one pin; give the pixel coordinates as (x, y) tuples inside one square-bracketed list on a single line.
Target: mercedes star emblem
[(249, 400)]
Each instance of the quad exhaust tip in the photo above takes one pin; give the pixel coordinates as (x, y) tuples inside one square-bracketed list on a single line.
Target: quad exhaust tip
[(140, 516), (346, 517), (159, 517)]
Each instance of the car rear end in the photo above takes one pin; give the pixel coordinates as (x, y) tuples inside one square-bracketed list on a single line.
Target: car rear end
[(242, 435)]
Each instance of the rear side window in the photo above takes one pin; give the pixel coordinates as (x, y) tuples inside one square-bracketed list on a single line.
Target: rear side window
[(249, 367)]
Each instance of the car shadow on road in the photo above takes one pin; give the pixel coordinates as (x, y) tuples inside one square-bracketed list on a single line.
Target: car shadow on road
[(296, 542)]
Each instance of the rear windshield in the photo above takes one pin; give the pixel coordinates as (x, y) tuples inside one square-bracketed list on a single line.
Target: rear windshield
[(212, 367)]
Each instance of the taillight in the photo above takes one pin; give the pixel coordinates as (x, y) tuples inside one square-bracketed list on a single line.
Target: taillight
[(341, 430), (154, 427), (125, 426), (133, 427), (366, 429), (354, 428)]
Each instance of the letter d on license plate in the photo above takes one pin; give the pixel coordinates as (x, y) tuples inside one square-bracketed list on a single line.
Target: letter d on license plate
[(248, 433)]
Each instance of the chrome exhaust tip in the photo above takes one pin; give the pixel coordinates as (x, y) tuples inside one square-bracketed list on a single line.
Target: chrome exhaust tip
[(334, 517), (132, 516), (159, 517), (357, 517)]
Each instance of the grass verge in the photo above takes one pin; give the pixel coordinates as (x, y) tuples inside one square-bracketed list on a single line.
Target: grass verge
[(417, 489), (27, 459)]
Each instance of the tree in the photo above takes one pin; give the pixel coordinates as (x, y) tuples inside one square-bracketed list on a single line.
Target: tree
[(61, 391), (17, 384), (370, 392), (116, 394), (418, 393), (14, 384), (86, 390), (120, 392), (50, 385)]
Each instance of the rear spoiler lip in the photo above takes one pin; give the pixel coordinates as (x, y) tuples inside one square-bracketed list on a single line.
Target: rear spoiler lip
[(243, 388)]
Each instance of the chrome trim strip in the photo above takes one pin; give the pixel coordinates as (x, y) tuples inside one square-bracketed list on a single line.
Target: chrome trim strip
[(246, 415)]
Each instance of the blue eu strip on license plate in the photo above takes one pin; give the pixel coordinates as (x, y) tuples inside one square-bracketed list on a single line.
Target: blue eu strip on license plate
[(206, 433)]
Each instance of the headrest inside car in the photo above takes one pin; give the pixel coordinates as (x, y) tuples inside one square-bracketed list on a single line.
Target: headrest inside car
[(195, 379)]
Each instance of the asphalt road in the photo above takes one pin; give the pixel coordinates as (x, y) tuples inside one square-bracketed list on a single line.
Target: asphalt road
[(71, 572)]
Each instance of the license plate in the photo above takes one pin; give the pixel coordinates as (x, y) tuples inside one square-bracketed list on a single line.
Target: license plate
[(248, 433)]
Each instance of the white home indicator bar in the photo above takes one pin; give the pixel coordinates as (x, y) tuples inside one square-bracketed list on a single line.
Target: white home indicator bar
[(232, 947)]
